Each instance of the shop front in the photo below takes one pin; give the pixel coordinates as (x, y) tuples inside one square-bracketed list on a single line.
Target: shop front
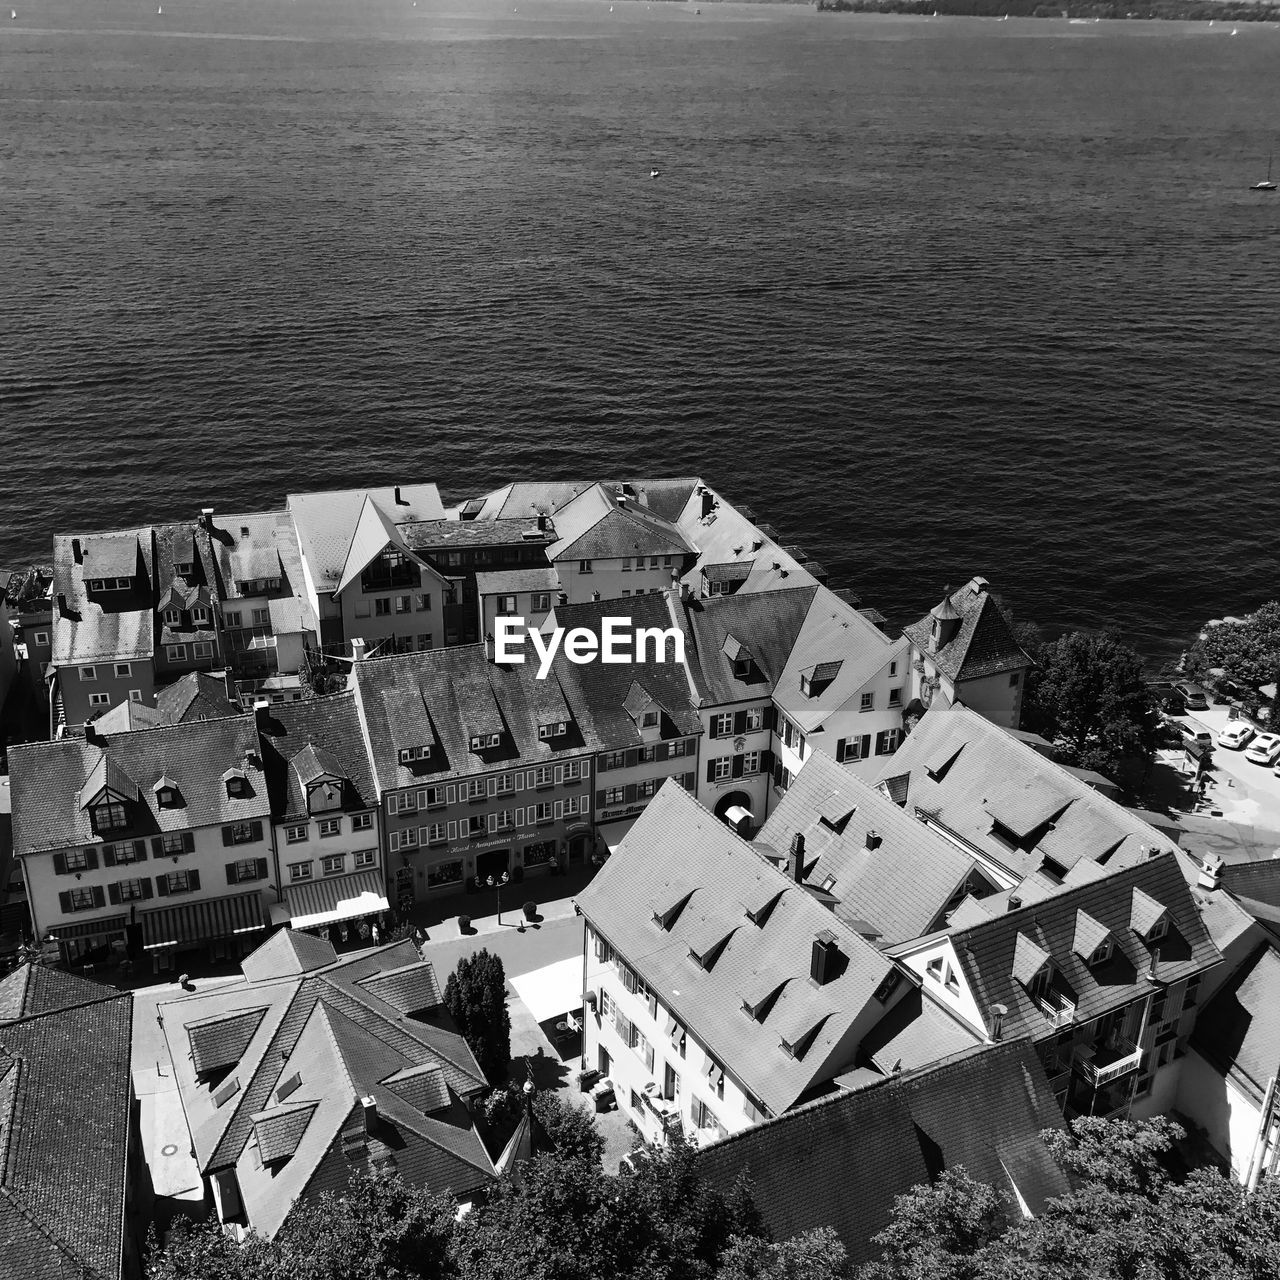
[(344, 909), (225, 928), (90, 941)]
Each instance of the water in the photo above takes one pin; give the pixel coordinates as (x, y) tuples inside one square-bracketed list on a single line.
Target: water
[(934, 297)]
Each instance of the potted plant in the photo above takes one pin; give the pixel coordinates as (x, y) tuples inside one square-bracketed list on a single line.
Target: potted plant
[(530, 910), (464, 924)]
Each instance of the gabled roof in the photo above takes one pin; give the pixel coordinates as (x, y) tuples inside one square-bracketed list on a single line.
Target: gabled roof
[(220, 1042), (374, 532), (998, 956), (666, 498), (196, 696), (841, 1161), (323, 1044), (65, 1104), (1090, 934), (410, 988), (983, 646), (48, 778), (676, 843), (596, 524), (967, 774), (901, 886), (253, 547), (117, 626), (1238, 1030)]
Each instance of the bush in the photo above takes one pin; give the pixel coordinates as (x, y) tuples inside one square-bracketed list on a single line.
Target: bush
[(476, 997), (569, 1129), (464, 924), (530, 910)]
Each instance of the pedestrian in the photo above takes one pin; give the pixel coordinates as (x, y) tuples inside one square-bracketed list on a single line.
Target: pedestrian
[(375, 935)]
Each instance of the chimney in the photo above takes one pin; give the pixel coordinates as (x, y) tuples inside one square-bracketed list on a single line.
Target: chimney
[(686, 592), (1152, 965), (542, 524), (1153, 851), (77, 551), (92, 736), (357, 650), (370, 1108), (62, 604), (1210, 872), (824, 951), (998, 1014), (795, 859), (1015, 902), (873, 839), (708, 502), (206, 518)]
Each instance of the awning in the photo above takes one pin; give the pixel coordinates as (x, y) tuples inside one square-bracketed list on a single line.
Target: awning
[(335, 899), (89, 928), (552, 991), (196, 922), (616, 832)]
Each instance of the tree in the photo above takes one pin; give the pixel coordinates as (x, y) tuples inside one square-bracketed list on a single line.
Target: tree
[(1248, 651), (476, 997), (1089, 696), (569, 1129), (812, 1255)]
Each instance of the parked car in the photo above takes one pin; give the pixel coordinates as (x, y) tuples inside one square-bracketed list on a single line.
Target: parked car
[(1193, 695), (1201, 737), (1172, 702), (1237, 735), (1265, 749)]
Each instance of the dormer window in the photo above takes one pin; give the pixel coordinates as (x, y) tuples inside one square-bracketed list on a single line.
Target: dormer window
[(1102, 954), (166, 792), (183, 568), (173, 616), (1158, 930), (1148, 918), (1038, 986), (200, 615), (408, 755), (109, 815), (742, 669), (806, 685), (236, 783), (555, 730), (649, 720), (482, 741)]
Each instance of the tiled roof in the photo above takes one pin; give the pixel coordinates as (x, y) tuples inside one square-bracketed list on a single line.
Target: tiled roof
[(597, 524), (33, 989), (330, 727), (1238, 1030), (324, 1043), (220, 1042), (901, 886), (65, 1102), (983, 646), (197, 696), (833, 632), (676, 844), (411, 988), (1258, 881), (514, 581), (666, 498), (967, 773), (766, 622), (451, 684), (999, 955), (450, 535), (841, 1161), (48, 778), (914, 1033), (253, 546), (113, 626), (326, 522), (374, 532), (612, 692)]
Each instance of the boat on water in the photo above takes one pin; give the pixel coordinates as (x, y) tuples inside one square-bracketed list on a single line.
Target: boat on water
[(1266, 184)]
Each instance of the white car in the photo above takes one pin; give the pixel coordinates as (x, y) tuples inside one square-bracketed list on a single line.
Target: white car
[(1236, 736), (1265, 749)]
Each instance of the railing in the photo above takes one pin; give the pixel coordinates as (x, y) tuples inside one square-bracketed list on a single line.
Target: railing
[(1061, 1013), (1109, 1061)]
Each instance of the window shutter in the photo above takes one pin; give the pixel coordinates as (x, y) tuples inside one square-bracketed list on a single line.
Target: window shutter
[(493, 823), (261, 865), (451, 795), (231, 873), (226, 840), (840, 749), (108, 856), (777, 772), (99, 897), (113, 894), (493, 786), (585, 768), (629, 793), (630, 758), (140, 851), (64, 901), (739, 723), (519, 817), (422, 799), (736, 770), (559, 775), (424, 835), (91, 860), (145, 883), (770, 717), (452, 833), (866, 745), (599, 799), (766, 761), (393, 839), (519, 776), (559, 811), (193, 879), (162, 886), (256, 828), (711, 770), (59, 864), (189, 840), (529, 779), (800, 745), (662, 752)]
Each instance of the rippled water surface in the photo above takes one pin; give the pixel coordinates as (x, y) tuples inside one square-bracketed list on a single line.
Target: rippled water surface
[(934, 297)]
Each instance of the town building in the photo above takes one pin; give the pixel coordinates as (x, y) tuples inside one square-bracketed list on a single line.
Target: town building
[(146, 843), (842, 1161), (965, 649), (313, 1070), (644, 714), (527, 594), (198, 695), (324, 807), (29, 595), (885, 875), (71, 1182), (8, 651), (1105, 979), (355, 566), (718, 991), (482, 770)]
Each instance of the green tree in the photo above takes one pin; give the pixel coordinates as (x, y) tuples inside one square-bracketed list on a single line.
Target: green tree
[(476, 997), (1248, 651), (569, 1129), (1089, 696), (812, 1255)]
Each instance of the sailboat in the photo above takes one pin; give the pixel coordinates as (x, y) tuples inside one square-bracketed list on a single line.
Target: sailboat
[(1267, 184)]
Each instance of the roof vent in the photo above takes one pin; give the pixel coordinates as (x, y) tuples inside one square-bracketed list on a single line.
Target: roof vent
[(1015, 902), (822, 965), (998, 1014), (62, 604)]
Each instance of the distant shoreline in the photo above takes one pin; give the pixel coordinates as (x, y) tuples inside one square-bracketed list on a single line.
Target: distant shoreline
[(1222, 11)]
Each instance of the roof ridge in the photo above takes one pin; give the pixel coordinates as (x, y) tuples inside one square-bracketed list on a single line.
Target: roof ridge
[(109, 993)]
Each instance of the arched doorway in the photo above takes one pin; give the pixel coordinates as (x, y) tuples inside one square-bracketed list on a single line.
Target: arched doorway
[(734, 810)]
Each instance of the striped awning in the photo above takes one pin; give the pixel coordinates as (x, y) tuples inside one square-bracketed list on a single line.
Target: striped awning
[(196, 922), (335, 899), (103, 928)]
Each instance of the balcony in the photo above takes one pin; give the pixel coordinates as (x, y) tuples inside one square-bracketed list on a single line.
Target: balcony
[(1060, 1011), (1100, 1064)]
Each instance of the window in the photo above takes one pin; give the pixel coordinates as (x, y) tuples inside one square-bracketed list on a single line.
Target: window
[(200, 615), (755, 719), (231, 617), (382, 607), (1038, 987), (422, 602), (365, 858), (542, 812), (109, 816), (573, 770), (80, 899), (751, 762), (88, 673), (1192, 993), (176, 652), (648, 755), (503, 784), (679, 748), (406, 839), (173, 617), (42, 637), (584, 566), (182, 568), (444, 873), (202, 649), (135, 695), (330, 827), (424, 641), (261, 617), (935, 968), (123, 670), (721, 768), (299, 871), (404, 604), (722, 725), (1158, 930), (436, 833), (540, 602), (549, 731), (295, 835), (503, 820), (247, 870), (649, 720), (895, 697), (476, 789), (99, 699), (647, 789), (614, 795), (886, 742), (241, 832), (1014, 678), (332, 865), (893, 668), (363, 821), (670, 1081), (130, 891), (180, 882), (626, 564), (1102, 954), (77, 860), (868, 702), (476, 825), (173, 844)]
